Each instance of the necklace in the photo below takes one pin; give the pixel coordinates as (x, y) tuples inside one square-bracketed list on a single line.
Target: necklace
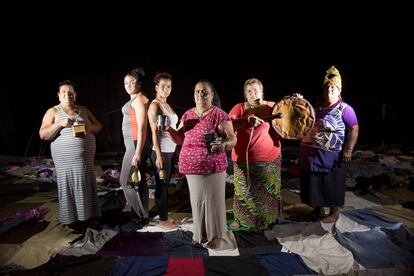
[(201, 114)]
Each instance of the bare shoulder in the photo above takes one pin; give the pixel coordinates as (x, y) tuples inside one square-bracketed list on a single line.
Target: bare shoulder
[(154, 107), (154, 104), (141, 98), (49, 116), (51, 111)]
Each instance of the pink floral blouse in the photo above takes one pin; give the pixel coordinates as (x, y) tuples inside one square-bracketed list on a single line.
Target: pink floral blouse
[(194, 157)]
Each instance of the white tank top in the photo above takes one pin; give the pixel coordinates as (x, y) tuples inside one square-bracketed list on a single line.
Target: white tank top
[(166, 142)]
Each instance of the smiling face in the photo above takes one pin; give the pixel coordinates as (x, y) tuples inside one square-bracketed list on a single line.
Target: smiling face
[(203, 95), (67, 94), (331, 93)]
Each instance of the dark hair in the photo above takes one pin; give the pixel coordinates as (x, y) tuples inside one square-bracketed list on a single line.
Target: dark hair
[(67, 82), (162, 75), (216, 97), (138, 73)]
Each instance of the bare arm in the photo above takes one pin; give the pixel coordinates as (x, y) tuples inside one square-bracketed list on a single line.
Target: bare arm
[(95, 127), (251, 121), (50, 126), (140, 105), (227, 128), (350, 142), (177, 135), (153, 111)]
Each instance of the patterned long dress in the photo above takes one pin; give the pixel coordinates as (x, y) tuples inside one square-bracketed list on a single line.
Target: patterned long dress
[(257, 202), (75, 169)]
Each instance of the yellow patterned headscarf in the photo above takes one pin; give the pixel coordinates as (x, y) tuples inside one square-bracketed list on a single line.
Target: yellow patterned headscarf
[(333, 77)]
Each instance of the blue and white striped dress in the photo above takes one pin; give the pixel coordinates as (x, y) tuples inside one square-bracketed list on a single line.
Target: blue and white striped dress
[(75, 169)]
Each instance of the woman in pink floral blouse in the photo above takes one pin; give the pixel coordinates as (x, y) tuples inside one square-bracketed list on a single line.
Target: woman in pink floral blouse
[(205, 163)]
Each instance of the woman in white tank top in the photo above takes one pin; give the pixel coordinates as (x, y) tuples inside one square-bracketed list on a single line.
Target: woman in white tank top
[(162, 155)]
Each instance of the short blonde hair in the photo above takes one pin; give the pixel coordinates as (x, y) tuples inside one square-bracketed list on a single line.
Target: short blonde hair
[(251, 81)]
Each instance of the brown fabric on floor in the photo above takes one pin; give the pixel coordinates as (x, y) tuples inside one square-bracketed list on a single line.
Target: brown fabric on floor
[(40, 248)]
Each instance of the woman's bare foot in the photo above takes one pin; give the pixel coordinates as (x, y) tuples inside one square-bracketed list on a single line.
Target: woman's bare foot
[(173, 221), (214, 243), (329, 219), (168, 224)]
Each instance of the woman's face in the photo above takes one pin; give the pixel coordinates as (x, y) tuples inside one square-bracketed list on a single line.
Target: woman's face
[(203, 96), (67, 94), (163, 88), (331, 92), (253, 94), (130, 84)]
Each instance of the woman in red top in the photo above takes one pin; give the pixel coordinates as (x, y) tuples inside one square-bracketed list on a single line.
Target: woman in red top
[(256, 159)]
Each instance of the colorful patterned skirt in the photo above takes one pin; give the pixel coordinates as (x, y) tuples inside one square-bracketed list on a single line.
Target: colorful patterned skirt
[(257, 202)]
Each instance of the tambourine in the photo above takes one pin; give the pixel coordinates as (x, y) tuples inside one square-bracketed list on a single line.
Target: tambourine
[(294, 117)]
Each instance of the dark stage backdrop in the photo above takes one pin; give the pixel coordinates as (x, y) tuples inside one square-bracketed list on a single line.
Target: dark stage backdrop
[(379, 85)]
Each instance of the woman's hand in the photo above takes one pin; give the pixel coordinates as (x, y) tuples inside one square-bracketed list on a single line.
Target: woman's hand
[(298, 95), (218, 148), (136, 160), (346, 155), (159, 162), (67, 122), (254, 121)]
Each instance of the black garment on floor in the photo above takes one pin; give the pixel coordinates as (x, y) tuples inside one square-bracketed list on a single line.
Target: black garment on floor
[(229, 265), (255, 242), (180, 245)]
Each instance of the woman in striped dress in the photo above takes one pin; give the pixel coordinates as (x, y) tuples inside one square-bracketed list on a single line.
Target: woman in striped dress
[(73, 156)]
